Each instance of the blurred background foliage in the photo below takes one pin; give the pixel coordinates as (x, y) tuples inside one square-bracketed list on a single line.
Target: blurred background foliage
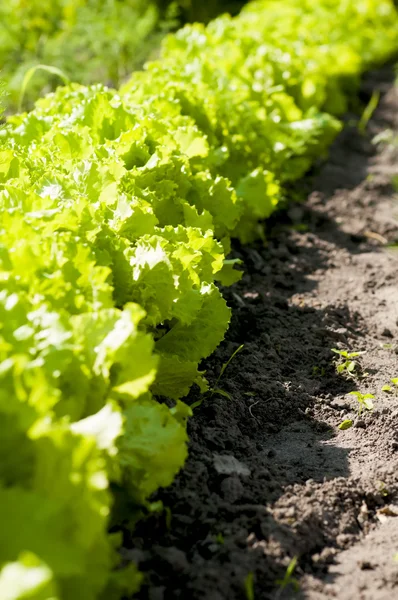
[(90, 41), (203, 11)]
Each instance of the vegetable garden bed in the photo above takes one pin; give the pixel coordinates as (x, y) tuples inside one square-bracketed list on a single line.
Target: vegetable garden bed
[(117, 213)]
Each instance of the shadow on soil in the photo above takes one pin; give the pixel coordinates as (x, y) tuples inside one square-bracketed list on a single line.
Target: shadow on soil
[(221, 530), (220, 527)]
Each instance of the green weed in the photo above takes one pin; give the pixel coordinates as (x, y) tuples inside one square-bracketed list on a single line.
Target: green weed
[(318, 371), (365, 401), (216, 389), (348, 366), (249, 586), (368, 112), (288, 579), (388, 388), (383, 489), (30, 73)]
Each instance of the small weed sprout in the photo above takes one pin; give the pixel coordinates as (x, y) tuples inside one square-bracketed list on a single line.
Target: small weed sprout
[(346, 424), (216, 390), (348, 365), (389, 389), (288, 579), (368, 112), (318, 371), (383, 489), (365, 401), (249, 586)]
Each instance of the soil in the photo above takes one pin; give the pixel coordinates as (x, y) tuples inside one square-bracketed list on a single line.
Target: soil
[(270, 476)]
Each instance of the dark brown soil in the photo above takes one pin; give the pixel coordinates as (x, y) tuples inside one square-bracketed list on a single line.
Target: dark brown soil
[(270, 476)]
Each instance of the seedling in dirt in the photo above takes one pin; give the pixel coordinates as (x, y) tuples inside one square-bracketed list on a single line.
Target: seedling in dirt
[(388, 388), (216, 390), (303, 227), (158, 508), (249, 586), (383, 489), (368, 112), (318, 371), (288, 579), (220, 539), (348, 365), (365, 401), (346, 424), (168, 517)]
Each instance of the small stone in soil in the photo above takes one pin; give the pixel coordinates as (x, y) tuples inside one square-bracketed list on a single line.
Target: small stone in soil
[(174, 557), (231, 489), (226, 464), (387, 333)]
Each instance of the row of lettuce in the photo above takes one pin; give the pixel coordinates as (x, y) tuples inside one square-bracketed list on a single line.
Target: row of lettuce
[(117, 210)]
